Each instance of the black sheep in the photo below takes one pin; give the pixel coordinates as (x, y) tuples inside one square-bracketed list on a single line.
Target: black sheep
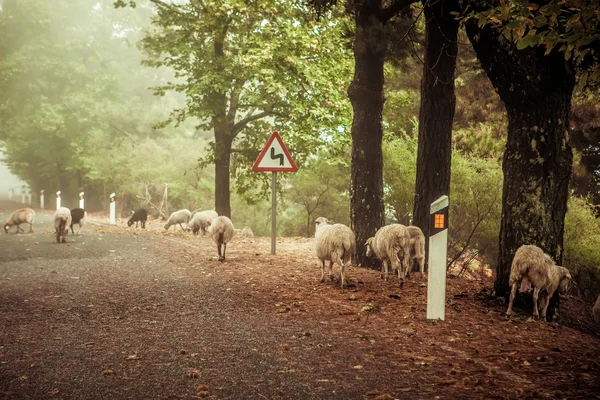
[(77, 216), (140, 215)]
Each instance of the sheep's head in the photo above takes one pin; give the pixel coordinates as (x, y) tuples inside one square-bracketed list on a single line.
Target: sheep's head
[(167, 226), (321, 221), (6, 228), (368, 245), (130, 222), (563, 285)]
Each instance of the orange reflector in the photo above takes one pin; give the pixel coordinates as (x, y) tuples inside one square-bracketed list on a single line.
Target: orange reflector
[(439, 222)]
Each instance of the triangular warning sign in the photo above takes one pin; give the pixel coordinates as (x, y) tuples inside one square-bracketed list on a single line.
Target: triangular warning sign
[(275, 157)]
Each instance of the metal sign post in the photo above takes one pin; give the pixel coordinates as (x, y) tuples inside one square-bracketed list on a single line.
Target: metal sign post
[(112, 218), (58, 200), (81, 202), (274, 158), (438, 250)]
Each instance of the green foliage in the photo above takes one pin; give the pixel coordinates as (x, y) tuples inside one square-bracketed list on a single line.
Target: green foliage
[(250, 68), (475, 197), (569, 26), (582, 247)]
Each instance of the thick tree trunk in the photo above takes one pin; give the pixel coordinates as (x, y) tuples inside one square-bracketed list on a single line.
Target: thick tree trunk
[(536, 91), (366, 96), (223, 142), (437, 110)]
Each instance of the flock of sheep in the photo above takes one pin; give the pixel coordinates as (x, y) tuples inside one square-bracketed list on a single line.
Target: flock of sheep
[(396, 245)]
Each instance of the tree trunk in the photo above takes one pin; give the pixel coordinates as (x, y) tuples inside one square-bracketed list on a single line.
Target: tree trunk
[(437, 110), (366, 96), (536, 91), (223, 142)]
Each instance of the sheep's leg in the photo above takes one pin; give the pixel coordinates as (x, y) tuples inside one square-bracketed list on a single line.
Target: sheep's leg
[(224, 250), (536, 294), (513, 292), (322, 270), (219, 250), (31, 227), (384, 270), (331, 277), (20, 229), (400, 267), (421, 261), (544, 305), (181, 226)]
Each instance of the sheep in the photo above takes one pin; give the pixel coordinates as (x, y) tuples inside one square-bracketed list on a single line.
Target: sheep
[(202, 220), (417, 248), (62, 221), (334, 243), (391, 244), (179, 217), (221, 230), (140, 215), (247, 232), (532, 264), (21, 216), (77, 217), (596, 310)]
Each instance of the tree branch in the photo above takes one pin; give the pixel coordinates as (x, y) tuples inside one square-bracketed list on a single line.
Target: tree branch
[(389, 12), (234, 99), (242, 123)]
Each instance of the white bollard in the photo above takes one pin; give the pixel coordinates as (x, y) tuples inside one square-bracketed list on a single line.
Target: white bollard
[(42, 198), (81, 203), (112, 219), (58, 200), (438, 250)]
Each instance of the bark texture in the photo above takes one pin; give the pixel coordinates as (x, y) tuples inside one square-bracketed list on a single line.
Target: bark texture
[(437, 110), (366, 96), (536, 91)]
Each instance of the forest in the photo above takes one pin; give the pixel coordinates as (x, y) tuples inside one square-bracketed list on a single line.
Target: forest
[(384, 105)]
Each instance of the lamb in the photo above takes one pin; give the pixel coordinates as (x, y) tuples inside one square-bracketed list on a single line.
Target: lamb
[(391, 244), (77, 217), (202, 220), (62, 221), (532, 264), (179, 217), (21, 216), (417, 248), (221, 230), (247, 232), (140, 215), (596, 310), (334, 243)]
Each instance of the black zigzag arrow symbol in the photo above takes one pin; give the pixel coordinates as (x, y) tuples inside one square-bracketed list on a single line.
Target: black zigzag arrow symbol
[(274, 156)]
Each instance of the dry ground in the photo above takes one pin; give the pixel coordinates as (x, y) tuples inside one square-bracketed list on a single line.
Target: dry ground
[(122, 313)]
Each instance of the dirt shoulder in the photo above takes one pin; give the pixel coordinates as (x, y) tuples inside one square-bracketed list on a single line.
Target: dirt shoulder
[(123, 313)]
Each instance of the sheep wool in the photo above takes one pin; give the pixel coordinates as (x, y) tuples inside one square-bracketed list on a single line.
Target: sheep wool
[(222, 231), (334, 243), (21, 216), (178, 218), (62, 221), (417, 248), (202, 220), (532, 264), (391, 244)]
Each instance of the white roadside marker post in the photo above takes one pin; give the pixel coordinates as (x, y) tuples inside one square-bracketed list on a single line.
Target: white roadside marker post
[(81, 202), (58, 200), (42, 198), (29, 196), (112, 219), (438, 250), (23, 194)]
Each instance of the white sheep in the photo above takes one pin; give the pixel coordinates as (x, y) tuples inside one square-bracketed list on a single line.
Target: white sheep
[(21, 216), (178, 217), (596, 310), (202, 220), (62, 221), (221, 230), (532, 264), (334, 243), (246, 232), (417, 248), (391, 243)]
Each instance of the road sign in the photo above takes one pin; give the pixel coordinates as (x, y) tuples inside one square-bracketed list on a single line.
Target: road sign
[(275, 157)]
